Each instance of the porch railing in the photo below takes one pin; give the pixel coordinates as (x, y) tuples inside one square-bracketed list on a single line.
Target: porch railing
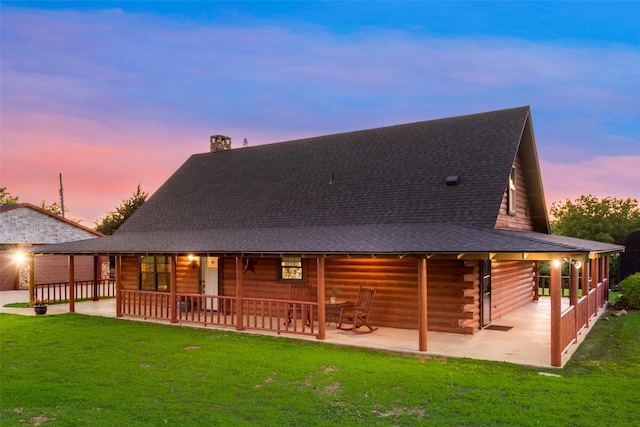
[(145, 304), (59, 292), (545, 281), (568, 328), (274, 315), (577, 317), (281, 316), (206, 309)]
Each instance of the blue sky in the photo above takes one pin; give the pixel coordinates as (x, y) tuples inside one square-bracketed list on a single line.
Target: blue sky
[(112, 94)]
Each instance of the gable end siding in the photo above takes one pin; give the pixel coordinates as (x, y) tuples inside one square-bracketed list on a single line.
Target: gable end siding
[(26, 225), (522, 219)]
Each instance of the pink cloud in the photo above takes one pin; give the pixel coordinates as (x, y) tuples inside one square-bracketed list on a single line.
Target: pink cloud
[(601, 176), (100, 165)]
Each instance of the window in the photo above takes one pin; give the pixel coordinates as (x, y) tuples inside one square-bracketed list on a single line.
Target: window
[(512, 192), (291, 268), (155, 273)]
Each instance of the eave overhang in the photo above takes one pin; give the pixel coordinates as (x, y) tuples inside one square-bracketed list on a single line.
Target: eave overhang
[(442, 241)]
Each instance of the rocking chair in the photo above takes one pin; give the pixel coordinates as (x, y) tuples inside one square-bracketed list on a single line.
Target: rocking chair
[(295, 310), (358, 314)]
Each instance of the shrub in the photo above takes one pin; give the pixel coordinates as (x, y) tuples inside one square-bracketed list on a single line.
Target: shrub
[(630, 292)]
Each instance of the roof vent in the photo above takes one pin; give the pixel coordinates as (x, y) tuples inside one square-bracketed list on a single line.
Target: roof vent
[(452, 180)]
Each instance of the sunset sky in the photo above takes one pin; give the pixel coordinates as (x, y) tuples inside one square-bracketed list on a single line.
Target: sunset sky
[(116, 94)]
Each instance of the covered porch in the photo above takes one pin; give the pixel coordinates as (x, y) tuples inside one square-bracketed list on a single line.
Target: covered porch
[(541, 333), (522, 337)]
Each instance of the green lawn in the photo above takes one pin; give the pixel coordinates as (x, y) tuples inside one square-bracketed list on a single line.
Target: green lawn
[(78, 370)]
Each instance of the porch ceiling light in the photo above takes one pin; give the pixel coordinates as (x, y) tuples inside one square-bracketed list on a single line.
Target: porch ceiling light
[(578, 264), (193, 260), (557, 263), (19, 257)]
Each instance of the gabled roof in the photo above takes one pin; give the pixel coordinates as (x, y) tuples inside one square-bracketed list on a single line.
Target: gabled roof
[(375, 191), (387, 175), (24, 223)]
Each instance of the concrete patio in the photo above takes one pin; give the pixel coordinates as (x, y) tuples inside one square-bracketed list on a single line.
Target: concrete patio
[(521, 337)]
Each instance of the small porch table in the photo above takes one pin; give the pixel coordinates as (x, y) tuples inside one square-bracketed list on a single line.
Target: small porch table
[(332, 310)]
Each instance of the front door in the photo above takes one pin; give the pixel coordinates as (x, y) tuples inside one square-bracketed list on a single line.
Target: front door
[(209, 274), (485, 291)]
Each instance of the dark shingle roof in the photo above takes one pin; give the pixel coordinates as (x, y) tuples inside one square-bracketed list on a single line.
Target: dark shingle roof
[(393, 174), (378, 239), (376, 191)]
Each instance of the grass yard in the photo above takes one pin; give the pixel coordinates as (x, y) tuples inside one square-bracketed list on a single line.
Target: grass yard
[(79, 370)]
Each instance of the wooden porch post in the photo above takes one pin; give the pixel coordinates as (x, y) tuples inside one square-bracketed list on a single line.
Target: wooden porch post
[(555, 292), (96, 276), (422, 304), (595, 275), (536, 281), (573, 283), (601, 275), (605, 276), (173, 301), (72, 285), (118, 286), (573, 295), (605, 279), (239, 303), (321, 292), (585, 285), (32, 277)]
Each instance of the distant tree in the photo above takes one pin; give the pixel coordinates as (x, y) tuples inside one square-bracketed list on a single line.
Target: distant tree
[(114, 219), (6, 198), (607, 220), (56, 209)]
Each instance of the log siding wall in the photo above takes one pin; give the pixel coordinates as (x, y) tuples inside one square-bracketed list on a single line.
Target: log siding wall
[(129, 273), (188, 275), (261, 281), (453, 288), (512, 285), (522, 219), (396, 281)]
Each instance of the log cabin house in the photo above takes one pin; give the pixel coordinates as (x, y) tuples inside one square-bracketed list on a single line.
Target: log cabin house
[(445, 218)]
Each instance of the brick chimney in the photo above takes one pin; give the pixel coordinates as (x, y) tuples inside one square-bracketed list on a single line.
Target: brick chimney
[(220, 143)]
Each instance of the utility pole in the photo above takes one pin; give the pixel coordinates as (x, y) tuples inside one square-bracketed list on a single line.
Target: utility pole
[(61, 197)]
